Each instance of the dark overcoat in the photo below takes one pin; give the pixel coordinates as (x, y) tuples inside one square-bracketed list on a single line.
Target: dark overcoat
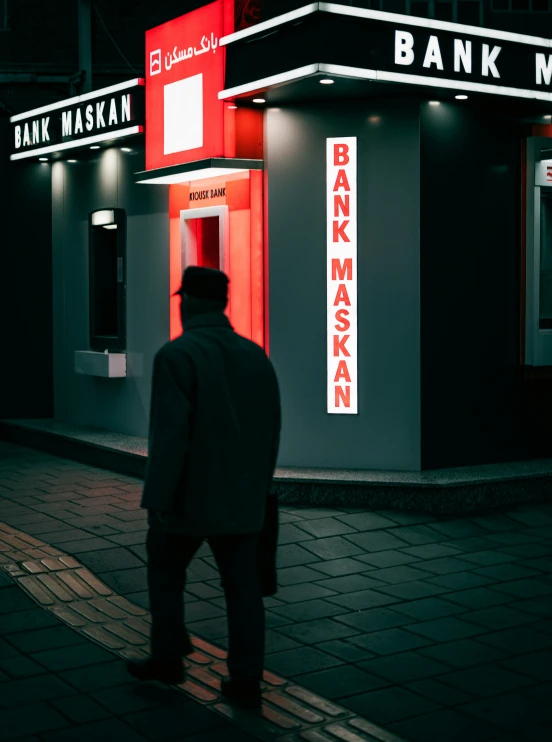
[(214, 431)]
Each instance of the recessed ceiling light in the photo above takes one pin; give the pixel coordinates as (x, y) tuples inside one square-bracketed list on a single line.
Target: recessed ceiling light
[(326, 81), (461, 97), (232, 108), (43, 159), (126, 149), (71, 160), (548, 116), (434, 103), (259, 100), (110, 226), (95, 146)]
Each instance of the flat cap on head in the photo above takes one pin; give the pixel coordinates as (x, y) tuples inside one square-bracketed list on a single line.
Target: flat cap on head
[(204, 283)]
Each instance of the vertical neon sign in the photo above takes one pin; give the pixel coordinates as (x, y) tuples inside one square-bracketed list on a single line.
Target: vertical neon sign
[(342, 330)]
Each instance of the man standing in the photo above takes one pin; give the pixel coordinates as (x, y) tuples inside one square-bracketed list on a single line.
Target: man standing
[(213, 443)]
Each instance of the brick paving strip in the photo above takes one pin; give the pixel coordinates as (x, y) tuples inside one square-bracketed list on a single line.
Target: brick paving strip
[(64, 587)]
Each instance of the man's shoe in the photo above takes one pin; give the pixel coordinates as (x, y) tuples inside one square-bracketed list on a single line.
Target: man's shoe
[(244, 693), (170, 673)]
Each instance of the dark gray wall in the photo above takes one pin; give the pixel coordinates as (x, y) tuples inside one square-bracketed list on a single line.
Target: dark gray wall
[(386, 432), (26, 386), (119, 405), (470, 250)]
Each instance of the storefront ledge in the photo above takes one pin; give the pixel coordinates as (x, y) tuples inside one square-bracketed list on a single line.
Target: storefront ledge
[(107, 365), (444, 491), (198, 170)]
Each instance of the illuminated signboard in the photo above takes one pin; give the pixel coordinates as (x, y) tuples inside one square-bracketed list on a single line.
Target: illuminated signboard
[(184, 74), (100, 116), (341, 216), (387, 47)]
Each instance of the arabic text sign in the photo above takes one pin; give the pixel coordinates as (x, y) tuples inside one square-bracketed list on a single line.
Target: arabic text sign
[(185, 71), (77, 121), (341, 218)]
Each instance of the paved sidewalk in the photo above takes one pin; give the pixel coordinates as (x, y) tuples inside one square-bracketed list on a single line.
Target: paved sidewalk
[(438, 629)]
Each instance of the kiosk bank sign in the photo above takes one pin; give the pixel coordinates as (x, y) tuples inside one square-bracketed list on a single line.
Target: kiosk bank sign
[(342, 332)]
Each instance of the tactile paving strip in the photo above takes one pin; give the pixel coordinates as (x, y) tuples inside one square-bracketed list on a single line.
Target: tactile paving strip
[(61, 585)]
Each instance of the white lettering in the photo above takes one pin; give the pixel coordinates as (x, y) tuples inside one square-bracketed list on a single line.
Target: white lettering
[(78, 122), (113, 113), (26, 136), (404, 47), (100, 123), (66, 124), (433, 53), (543, 69), (89, 118), (45, 135), (462, 55), (36, 132), (125, 108), (17, 137), (488, 60)]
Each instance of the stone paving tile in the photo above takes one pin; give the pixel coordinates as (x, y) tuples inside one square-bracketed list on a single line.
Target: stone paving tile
[(71, 657), (288, 533), (109, 560), (373, 541), (537, 665), (438, 692), (20, 667), (404, 667), (32, 690), (339, 682), (499, 617), (446, 629), (486, 680), (459, 528), (363, 599), (298, 661), (402, 573), (465, 653), (340, 567), (389, 705), (387, 559), (126, 581), (325, 527), (276, 641), (508, 572), (319, 630), (374, 619), (418, 535), (94, 677), (541, 606), (362, 521), (13, 600), (413, 590), (80, 709), (37, 719), (297, 575), (446, 724), (480, 597), (306, 591), (511, 712), (389, 641), (350, 583), (309, 610), (343, 650), (429, 608), (334, 547), (26, 620), (461, 581), (110, 729), (43, 639), (446, 565), (129, 539), (431, 551), (519, 640)]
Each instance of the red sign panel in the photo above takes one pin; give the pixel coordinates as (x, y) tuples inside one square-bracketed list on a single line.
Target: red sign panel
[(184, 74)]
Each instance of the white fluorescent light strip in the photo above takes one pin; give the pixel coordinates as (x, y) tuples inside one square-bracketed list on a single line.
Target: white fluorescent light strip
[(378, 15), (209, 172), (266, 25), (380, 76), (139, 81), (273, 81), (79, 142)]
